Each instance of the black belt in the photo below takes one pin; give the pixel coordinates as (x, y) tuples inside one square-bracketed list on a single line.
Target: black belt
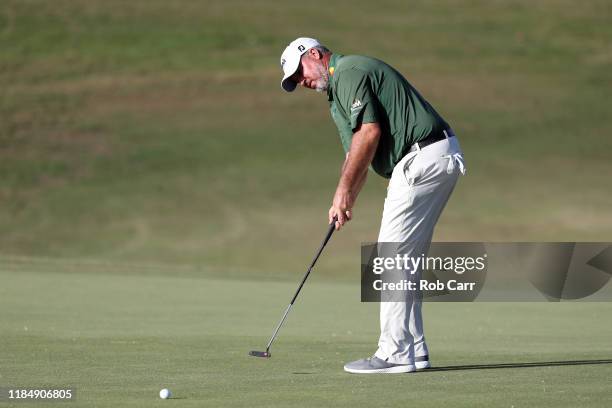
[(431, 139)]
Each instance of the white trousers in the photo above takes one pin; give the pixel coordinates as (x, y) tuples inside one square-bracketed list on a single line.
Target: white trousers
[(420, 186)]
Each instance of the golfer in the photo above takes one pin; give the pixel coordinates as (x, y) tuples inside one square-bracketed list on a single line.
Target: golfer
[(384, 124)]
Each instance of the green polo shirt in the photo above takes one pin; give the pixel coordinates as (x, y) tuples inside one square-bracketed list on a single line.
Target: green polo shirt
[(366, 90)]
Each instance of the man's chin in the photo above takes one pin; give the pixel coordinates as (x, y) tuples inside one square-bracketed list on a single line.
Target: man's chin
[(321, 88)]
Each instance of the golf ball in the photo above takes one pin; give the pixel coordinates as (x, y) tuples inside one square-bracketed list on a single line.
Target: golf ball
[(165, 394)]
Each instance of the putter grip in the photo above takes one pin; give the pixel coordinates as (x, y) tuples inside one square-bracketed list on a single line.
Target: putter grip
[(330, 231)]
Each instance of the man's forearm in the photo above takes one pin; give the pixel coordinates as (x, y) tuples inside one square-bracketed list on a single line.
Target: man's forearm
[(354, 171), (361, 182), (361, 153)]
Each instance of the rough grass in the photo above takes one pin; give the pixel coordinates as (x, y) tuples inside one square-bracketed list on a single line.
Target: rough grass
[(156, 131)]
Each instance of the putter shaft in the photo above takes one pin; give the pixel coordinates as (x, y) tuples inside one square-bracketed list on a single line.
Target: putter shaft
[(278, 326), (330, 231)]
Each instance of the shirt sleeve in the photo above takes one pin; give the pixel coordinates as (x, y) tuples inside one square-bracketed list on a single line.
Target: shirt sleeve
[(356, 97)]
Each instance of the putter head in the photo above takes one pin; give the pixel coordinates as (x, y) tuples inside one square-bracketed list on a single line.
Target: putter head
[(264, 354)]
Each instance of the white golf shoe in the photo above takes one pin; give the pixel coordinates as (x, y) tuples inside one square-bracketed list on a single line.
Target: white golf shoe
[(422, 363), (375, 365)]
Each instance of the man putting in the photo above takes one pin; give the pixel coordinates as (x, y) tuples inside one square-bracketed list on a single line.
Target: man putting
[(386, 124)]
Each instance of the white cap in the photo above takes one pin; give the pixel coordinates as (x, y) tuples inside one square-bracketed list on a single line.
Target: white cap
[(290, 59)]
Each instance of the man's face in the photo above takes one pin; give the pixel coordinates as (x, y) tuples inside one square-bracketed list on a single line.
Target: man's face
[(311, 72)]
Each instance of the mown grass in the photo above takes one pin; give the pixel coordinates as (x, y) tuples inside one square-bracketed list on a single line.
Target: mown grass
[(120, 333)]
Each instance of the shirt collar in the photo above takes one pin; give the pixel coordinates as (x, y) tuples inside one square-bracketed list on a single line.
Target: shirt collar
[(333, 62)]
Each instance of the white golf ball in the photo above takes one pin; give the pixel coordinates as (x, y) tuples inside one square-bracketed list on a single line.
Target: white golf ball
[(165, 394)]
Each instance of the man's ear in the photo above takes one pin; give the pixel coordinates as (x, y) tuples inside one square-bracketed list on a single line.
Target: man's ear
[(314, 53)]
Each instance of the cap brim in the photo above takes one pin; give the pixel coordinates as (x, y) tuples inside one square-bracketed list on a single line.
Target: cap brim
[(287, 83)]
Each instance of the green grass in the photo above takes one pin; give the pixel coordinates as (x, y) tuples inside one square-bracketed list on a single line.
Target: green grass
[(120, 337), (160, 195), (155, 131)]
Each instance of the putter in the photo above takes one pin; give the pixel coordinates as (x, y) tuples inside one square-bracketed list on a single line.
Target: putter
[(267, 354)]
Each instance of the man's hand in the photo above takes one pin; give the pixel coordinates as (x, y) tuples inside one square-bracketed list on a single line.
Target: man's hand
[(354, 172), (341, 208)]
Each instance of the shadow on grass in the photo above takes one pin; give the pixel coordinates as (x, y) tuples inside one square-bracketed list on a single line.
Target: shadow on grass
[(502, 365), (519, 365)]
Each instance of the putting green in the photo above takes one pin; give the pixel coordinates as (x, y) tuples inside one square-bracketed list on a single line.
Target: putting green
[(121, 336)]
